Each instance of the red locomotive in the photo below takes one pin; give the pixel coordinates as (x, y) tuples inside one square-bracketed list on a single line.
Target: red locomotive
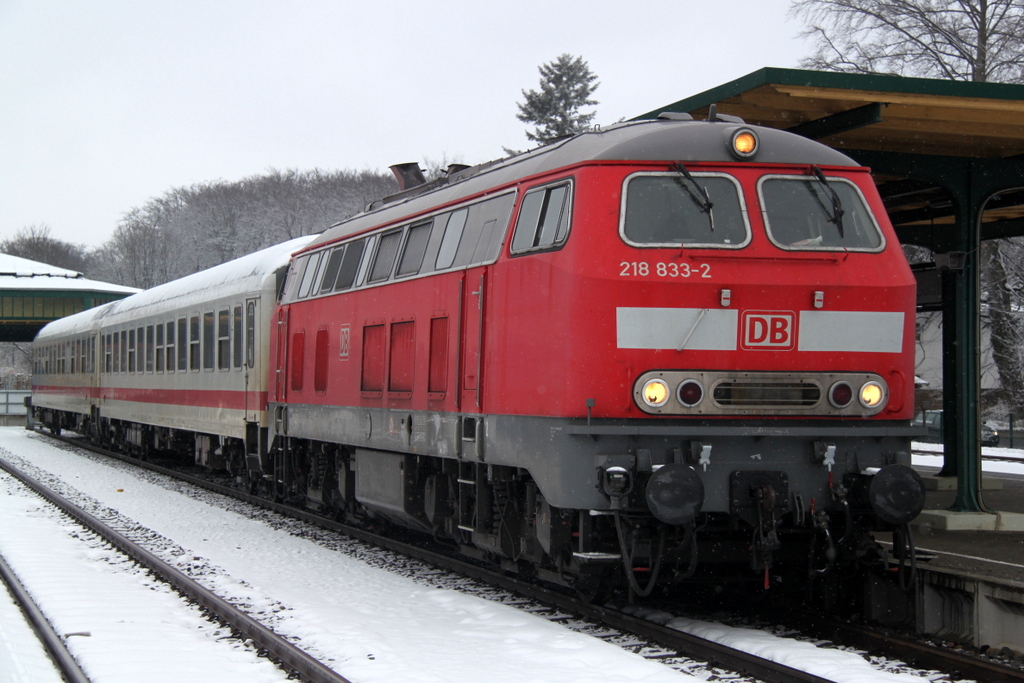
[(608, 358)]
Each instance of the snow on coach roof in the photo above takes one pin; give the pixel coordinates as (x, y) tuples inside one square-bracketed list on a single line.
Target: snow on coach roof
[(665, 139), (241, 276)]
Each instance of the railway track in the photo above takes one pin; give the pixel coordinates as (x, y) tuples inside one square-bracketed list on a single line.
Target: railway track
[(281, 650), (644, 636), (51, 641)]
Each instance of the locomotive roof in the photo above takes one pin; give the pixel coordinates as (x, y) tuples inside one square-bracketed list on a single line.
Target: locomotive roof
[(240, 276), (649, 140)]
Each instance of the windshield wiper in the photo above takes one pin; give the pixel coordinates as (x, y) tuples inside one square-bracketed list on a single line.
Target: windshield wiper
[(697, 193), (836, 215)]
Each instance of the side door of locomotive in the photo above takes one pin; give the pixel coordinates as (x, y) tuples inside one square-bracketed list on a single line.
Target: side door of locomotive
[(471, 339)]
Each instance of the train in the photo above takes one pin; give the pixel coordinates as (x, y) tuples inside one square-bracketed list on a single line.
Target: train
[(665, 350)]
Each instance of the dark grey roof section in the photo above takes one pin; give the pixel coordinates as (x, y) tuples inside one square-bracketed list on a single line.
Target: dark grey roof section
[(656, 140)]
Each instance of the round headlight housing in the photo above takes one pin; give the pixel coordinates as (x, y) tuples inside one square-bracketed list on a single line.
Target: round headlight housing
[(690, 393), (871, 395), (840, 394), (655, 393)]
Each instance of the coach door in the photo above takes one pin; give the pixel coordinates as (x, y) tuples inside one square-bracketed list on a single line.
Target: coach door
[(252, 361), (471, 340)]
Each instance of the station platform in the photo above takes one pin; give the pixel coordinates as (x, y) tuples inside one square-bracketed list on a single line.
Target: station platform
[(975, 543), (970, 567)]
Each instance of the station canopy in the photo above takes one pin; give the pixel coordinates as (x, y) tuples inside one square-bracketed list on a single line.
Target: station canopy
[(33, 294), (871, 118)]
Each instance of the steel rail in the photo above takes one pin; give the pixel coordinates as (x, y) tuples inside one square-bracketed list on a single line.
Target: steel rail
[(923, 655), (309, 668), (50, 639), (689, 645)]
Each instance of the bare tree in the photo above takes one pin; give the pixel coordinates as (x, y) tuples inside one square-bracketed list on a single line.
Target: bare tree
[(36, 243), (964, 40), (192, 228)]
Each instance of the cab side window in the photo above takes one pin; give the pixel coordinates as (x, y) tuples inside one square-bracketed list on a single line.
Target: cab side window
[(544, 218)]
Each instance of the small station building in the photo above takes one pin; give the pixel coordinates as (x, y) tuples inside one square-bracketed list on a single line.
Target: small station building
[(33, 294)]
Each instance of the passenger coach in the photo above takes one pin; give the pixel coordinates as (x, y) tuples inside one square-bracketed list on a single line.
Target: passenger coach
[(179, 366)]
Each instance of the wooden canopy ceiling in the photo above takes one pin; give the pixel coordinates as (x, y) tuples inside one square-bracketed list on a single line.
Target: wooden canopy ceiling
[(886, 113)]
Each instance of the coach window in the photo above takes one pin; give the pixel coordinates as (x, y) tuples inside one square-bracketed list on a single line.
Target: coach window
[(208, 340), (193, 343), (543, 219), (350, 265), (159, 347), (149, 348), (124, 351), (182, 345), (385, 258), (236, 336), (75, 346), (131, 350), (415, 246), (108, 367), (170, 347), (223, 340), (250, 334), (140, 337)]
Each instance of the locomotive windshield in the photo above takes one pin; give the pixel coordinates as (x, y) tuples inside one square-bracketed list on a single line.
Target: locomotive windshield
[(800, 214), (663, 209)]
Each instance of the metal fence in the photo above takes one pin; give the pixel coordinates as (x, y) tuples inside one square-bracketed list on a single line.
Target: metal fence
[(12, 402)]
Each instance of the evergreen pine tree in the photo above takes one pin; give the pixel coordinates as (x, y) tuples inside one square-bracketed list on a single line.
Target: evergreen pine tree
[(566, 85)]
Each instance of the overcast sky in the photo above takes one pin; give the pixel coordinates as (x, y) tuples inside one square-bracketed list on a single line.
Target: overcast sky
[(105, 104)]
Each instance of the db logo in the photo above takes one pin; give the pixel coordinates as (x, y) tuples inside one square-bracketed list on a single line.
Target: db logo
[(768, 330), (344, 342)]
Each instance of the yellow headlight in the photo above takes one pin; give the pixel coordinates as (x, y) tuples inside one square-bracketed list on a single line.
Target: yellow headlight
[(871, 395), (744, 143), (655, 393)]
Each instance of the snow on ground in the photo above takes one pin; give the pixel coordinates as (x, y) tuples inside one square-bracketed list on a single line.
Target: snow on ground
[(931, 456), (838, 665), (126, 622), (22, 656), (370, 624)]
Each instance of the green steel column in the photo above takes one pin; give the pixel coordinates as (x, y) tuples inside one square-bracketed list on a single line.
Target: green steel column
[(961, 372)]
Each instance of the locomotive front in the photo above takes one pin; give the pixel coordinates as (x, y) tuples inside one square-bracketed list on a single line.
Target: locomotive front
[(733, 329)]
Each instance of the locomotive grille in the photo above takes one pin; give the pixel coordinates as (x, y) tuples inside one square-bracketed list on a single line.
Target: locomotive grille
[(747, 394)]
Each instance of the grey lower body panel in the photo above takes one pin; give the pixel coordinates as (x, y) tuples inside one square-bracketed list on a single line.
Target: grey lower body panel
[(565, 456)]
